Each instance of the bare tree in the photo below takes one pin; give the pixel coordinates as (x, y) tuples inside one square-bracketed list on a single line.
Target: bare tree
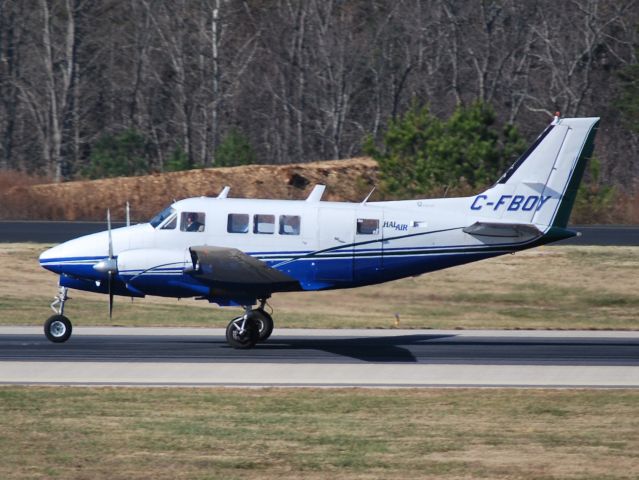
[(299, 79), (11, 39), (572, 44)]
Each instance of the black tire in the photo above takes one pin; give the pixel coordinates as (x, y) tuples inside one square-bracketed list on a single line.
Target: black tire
[(264, 324), (248, 338), (58, 328)]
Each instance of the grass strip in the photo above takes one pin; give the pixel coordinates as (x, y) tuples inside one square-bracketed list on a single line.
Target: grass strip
[(75, 433), (549, 287)]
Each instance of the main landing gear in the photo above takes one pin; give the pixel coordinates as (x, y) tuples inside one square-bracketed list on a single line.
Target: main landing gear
[(255, 326), (58, 328)]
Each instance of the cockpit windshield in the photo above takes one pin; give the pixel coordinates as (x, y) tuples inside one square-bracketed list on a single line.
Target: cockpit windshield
[(160, 217)]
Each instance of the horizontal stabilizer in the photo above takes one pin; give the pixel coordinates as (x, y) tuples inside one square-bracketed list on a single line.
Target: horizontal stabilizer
[(509, 230)]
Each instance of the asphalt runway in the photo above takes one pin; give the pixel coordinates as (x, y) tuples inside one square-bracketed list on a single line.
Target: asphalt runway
[(324, 358), (536, 349), (57, 232)]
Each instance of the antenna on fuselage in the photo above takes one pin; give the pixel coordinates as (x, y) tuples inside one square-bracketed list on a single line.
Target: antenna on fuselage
[(225, 192), (369, 195), (128, 214)]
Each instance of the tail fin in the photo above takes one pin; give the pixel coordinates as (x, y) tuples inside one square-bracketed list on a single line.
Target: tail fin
[(541, 186)]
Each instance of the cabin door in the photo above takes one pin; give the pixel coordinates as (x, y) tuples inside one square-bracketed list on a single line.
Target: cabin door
[(334, 261), (368, 249)]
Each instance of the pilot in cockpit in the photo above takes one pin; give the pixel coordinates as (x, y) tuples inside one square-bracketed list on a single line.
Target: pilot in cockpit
[(192, 223)]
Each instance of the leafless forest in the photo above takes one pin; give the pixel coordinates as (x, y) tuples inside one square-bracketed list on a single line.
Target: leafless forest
[(300, 80)]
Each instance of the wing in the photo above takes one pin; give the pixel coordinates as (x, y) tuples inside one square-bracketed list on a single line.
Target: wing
[(233, 270)]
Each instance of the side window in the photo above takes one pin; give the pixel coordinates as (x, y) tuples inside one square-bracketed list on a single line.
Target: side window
[(237, 223), (367, 226), (192, 221), (170, 223), (264, 224), (289, 225)]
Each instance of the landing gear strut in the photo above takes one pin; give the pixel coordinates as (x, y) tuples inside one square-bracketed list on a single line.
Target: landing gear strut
[(245, 331), (58, 328)]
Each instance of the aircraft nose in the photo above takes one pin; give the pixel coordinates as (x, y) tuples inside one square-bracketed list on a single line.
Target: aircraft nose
[(48, 257), (76, 257)]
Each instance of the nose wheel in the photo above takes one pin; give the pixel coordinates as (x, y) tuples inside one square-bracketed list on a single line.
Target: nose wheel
[(58, 328)]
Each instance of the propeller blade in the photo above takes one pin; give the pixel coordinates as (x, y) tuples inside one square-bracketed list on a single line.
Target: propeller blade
[(110, 273), (109, 228), (110, 296)]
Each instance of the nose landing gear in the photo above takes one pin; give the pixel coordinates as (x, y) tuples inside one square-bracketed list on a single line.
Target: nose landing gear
[(58, 328), (255, 326)]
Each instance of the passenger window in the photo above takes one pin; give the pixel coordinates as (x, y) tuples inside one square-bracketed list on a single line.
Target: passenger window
[(170, 223), (289, 225), (192, 222), (237, 223), (264, 224), (367, 226)]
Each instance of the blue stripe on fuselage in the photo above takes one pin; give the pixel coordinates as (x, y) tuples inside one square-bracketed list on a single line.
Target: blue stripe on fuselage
[(341, 266)]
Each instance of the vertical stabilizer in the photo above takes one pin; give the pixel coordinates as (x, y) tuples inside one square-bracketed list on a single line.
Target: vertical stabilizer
[(541, 186)]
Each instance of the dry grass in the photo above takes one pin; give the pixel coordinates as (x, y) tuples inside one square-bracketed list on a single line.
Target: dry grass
[(14, 178), (549, 287), (87, 200), (25, 197), (81, 433)]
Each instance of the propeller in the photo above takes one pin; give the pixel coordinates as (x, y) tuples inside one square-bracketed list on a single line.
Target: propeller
[(111, 270), (108, 265)]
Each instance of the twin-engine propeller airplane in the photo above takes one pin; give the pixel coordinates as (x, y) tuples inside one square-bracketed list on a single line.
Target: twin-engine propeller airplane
[(241, 251)]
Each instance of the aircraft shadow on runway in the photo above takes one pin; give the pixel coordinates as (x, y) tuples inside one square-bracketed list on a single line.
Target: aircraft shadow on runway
[(393, 348), (417, 348), (367, 349)]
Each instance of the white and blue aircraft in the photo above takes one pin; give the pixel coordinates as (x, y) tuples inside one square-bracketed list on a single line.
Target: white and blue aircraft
[(239, 252)]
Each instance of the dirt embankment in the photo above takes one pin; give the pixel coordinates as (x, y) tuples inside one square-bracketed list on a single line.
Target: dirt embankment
[(347, 180)]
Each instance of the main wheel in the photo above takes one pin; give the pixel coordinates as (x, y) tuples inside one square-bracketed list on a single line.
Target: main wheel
[(58, 328), (265, 324), (241, 333)]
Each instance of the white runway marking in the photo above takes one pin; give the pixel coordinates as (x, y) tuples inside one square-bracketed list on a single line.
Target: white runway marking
[(333, 375)]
